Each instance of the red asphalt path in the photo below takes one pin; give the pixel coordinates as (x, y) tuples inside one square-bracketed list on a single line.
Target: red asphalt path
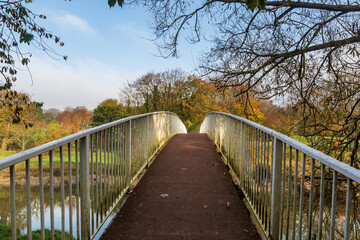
[(184, 195)]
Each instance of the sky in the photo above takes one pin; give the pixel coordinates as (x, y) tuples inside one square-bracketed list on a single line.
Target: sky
[(105, 48)]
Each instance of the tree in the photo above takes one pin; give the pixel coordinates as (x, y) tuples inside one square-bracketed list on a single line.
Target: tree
[(205, 98), (156, 91), (16, 109), (73, 120), (190, 97), (107, 111), (272, 47), (291, 50), (19, 26), (53, 131)]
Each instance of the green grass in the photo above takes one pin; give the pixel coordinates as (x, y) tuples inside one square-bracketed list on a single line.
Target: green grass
[(4, 154), (5, 234)]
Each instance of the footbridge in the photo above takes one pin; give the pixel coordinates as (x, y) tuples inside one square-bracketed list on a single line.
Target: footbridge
[(144, 177)]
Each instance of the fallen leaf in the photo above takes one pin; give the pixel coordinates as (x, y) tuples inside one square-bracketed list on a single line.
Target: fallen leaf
[(227, 204), (164, 195), (205, 206)]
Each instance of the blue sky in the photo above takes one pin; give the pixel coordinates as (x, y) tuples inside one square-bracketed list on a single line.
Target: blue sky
[(106, 47)]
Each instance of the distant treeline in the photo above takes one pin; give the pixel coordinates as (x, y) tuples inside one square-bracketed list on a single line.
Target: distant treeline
[(190, 97)]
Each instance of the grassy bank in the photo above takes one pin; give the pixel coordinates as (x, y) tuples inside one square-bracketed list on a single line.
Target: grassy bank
[(5, 234)]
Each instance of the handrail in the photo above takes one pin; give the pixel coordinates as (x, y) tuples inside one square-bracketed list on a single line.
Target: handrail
[(100, 162), (280, 186), (335, 164), (33, 152)]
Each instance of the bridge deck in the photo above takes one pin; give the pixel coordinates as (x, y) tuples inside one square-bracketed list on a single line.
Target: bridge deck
[(184, 195)]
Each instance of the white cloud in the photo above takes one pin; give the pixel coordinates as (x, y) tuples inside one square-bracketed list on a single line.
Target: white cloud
[(82, 83), (75, 23), (130, 30)]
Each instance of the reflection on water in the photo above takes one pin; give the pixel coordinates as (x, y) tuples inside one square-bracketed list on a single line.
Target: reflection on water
[(21, 219)]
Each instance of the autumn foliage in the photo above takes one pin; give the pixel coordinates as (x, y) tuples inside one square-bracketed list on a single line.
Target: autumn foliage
[(190, 97), (33, 126)]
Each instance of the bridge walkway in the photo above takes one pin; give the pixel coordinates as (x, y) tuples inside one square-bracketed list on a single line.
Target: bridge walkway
[(187, 193)]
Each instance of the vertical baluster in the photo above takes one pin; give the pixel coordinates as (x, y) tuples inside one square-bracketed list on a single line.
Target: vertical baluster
[(276, 187), (13, 202), (110, 155), (248, 160), (256, 165), (105, 169), (92, 181), (84, 187), (333, 206), (258, 181), (311, 198), (70, 192), (263, 169), (228, 139), (321, 203), (120, 158), (252, 166), (248, 164), (41, 184), (101, 178), (124, 155), (77, 190), (267, 184), (128, 153), (110, 169), (112, 165), (147, 139), (301, 207), (62, 193), (97, 180), (283, 192), (118, 161), (347, 210), (115, 165), (51, 194), (28, 199), (295, 193), (122, 147), (288, 195), (108, 174), (241, 155)]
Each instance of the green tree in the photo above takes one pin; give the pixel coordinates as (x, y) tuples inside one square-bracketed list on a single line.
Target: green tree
[(107, 111), (20, 136)]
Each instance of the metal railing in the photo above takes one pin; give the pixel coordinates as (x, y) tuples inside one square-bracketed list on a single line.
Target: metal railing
[(91, 170), (294, 191)]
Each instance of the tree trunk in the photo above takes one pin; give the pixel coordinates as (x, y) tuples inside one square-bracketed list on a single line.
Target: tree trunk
[(6, 138)]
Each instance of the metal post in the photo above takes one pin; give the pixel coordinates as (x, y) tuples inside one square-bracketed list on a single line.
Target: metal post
[(228, 139), (128, 153), (146, 151), (13, 202), (84, 188), (242, 155), (276, 188)]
